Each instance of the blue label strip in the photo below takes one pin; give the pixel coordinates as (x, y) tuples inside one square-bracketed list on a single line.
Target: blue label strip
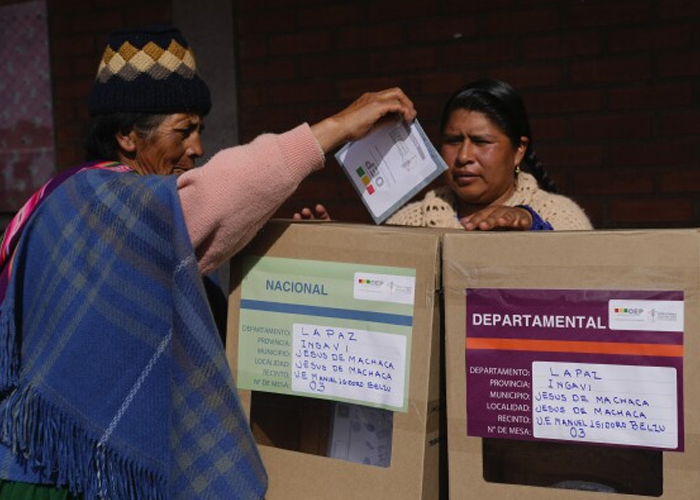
[(329, 312)]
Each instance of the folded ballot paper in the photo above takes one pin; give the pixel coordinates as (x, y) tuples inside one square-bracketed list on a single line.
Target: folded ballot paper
[(390, 166)]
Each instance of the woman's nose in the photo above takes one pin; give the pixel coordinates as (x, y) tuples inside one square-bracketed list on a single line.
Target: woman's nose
[(465, 152), (194, 146)]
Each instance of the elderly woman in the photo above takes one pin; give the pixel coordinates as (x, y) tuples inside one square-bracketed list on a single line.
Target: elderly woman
[(114, 379)]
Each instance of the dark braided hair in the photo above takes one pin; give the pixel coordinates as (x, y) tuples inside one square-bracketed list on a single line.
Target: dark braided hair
[(503, 106)]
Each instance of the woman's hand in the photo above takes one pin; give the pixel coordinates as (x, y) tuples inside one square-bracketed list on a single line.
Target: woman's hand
[(319, 212), (498, 217), (355, 121)]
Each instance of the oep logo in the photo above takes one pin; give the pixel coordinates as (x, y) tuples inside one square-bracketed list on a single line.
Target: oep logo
[(629, 311), (369, 283)]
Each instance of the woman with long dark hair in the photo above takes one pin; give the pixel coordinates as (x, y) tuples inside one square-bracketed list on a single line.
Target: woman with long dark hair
[(494, 178)]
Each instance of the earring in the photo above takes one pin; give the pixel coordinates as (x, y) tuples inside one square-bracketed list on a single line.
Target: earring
[(517, 169)]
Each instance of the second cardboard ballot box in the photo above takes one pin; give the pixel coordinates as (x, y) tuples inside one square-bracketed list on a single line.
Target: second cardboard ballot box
[(333, 339), (572, 361)]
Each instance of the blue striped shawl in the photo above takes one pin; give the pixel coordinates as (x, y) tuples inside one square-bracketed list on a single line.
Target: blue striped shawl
[(113, 379)]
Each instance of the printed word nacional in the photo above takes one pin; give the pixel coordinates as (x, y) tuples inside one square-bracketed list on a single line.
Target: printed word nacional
[(295, 287)]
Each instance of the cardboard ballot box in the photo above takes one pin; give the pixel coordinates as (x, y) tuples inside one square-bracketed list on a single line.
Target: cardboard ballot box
[(571, 364), (333, 339)]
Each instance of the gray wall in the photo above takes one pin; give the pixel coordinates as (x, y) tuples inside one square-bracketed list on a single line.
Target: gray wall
[(208, 27)]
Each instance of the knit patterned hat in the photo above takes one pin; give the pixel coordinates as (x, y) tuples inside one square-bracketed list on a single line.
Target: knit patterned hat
[(148, 70)]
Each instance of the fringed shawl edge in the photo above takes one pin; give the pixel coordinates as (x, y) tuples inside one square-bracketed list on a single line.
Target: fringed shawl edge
[(44, 438)]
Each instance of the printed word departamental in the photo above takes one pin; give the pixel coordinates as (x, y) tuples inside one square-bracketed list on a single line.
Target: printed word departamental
[(537, 321)]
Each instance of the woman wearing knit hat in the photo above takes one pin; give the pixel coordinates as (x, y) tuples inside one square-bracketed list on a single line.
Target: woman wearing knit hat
[(113, 379), (494, 179)]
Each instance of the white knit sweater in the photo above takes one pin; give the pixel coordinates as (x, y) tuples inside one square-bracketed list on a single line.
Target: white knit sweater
[(436, 209)]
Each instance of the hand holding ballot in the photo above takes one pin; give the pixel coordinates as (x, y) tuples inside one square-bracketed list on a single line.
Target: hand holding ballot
[(388, 166), (362, 116)]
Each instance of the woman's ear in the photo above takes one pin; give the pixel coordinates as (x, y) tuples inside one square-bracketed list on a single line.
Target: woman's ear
[(520, 152), (127, 143)]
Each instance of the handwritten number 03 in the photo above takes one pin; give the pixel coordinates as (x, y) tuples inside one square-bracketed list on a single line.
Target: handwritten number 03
[(577, 432), (317, 387)]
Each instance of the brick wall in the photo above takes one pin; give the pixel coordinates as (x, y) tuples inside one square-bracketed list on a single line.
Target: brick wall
[(612, 86), (26, 120), (78, 32)]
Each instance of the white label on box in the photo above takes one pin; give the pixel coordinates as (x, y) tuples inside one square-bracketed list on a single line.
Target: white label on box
[(646, 315), (597, 403), (384, 288), (348, 363)]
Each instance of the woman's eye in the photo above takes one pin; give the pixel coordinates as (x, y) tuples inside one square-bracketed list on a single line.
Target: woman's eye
[(185, 132)]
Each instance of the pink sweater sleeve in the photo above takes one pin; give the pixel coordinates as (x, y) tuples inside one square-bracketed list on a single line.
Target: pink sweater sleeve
[(226, 201)]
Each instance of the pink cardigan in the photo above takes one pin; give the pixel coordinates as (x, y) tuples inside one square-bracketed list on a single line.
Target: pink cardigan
[(227, 200)]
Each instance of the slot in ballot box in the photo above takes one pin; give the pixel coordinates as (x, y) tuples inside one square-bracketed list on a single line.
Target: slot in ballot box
[(333, 340), (570, 364)]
